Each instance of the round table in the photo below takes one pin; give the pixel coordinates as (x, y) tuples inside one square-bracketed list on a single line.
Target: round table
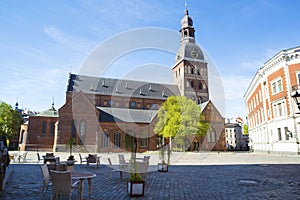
[(81, 176)]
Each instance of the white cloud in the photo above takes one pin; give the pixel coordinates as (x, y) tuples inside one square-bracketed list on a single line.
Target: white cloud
[(81, 45)]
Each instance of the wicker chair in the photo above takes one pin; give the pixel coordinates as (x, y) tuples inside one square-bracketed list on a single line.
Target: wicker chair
[(62, 184), (46, 179)]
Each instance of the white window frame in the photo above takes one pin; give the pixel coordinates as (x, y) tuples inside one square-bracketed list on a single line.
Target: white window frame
[(298, 77), (275, 83), (277, 106)]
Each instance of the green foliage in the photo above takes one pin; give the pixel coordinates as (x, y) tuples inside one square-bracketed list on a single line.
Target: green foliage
[(245, 129), (179, 118), (70, 144), (135, 177), (10, 121)]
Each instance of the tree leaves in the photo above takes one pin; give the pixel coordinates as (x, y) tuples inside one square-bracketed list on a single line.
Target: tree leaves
[(10, 121), (179, 118)]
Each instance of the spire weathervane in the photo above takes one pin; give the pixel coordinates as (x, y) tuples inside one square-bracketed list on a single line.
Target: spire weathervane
[(186, 8)]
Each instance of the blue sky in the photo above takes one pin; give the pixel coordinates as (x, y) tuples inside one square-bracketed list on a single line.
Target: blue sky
[(41, 42)]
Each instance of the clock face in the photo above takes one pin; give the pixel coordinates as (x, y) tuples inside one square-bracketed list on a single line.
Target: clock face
[(194, 54)]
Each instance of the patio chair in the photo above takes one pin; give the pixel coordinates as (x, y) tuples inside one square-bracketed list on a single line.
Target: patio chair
[(23, 157), (142, 169), (46, 179), (146, 159), (82, 160), (93, 158), (62, 184), (38, 158), (114, 169), (121, 159)]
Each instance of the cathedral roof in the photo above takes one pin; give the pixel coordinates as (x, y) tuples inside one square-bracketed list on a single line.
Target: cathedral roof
[(120, 87), (109, 114), (51, 112)]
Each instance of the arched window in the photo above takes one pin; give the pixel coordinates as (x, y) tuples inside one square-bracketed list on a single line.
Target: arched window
[(117, 139), (200, 86), (52, 128), (74, 131), (132, 104), (44, 127), (105, 138), (211, 136), (154, 106), (144, 140), (192, 70), (82, 131), (192, 84)]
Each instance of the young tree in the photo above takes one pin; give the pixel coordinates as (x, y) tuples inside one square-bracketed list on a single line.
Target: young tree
[(179, 118), (10, 121), (245, 129)]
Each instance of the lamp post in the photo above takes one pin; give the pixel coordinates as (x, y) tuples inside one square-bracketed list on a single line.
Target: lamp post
[(38, 143), (296, 96)]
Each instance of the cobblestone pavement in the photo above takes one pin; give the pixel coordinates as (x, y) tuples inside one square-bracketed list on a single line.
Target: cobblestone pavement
[(264, 180)]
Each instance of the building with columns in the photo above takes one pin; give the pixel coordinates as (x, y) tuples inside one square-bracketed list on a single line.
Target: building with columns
[(272, 112)]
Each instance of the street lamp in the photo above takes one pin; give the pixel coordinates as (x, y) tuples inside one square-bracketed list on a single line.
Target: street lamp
[(38, 143), (296, 96)]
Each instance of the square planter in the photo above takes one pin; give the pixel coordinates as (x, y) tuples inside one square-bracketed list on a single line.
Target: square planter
[(162, 167), (135, 188)]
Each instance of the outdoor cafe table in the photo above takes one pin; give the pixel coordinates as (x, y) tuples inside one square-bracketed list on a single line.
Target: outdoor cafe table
[(81, 176)]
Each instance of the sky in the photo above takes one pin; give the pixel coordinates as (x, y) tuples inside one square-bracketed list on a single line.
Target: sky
[(41, 42)]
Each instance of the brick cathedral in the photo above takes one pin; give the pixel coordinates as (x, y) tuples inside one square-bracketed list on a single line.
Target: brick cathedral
[(99, 112)]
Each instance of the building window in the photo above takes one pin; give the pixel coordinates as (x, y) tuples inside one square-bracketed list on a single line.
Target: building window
[(200, 86), (287, 132), (279, 134), (144, 140), (276, 86), (74, 131), (82, 131), (154, 106), (144, 143), (105, 138), (279, 109), (132, 104), (117, 139), (192, 84), (44, 127), (211, 136), (52, 128), (187, 84), (298, 78), (192, 70)]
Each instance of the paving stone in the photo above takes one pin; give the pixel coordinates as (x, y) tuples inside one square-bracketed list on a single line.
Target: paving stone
[(183, 181)]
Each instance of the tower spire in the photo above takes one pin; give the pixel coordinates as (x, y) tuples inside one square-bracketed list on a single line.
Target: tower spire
[(185, 6)]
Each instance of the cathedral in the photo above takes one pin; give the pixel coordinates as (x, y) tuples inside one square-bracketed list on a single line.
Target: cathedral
[(102, 112)]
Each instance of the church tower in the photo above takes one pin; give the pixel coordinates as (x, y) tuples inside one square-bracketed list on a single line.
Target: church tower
[(189, 71)]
